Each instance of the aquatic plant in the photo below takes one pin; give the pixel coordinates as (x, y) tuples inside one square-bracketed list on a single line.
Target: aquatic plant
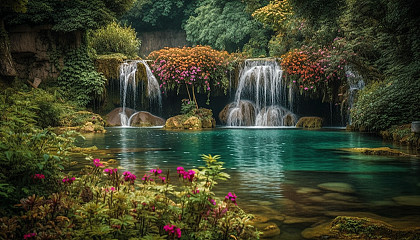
[(104, 204)]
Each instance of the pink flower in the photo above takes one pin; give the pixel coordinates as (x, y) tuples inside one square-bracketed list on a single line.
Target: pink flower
[(110, 171), (68, 180), (196, 191), (172, 230), (29, 235), (39, 176), (231, 197), (129, 177), (97, 163), (212, 201)]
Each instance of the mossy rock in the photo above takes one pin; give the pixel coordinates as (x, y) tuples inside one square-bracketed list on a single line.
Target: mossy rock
[(382, 151), (194, 120), (109, 65), (310, 122)]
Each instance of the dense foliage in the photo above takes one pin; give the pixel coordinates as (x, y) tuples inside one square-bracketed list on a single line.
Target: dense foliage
[(224, 26), (115, 38), (104, 203), (26, 148), (147, 15), (201, 68), (392, 102), (78, 80), (69, 16)]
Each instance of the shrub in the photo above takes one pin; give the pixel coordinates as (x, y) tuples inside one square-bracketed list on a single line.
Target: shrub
[(383, 104), (201, 68), (78, 79), (115, 38), (104, 203)]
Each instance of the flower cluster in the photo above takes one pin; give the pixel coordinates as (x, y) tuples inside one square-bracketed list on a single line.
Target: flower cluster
[(173, 230), (147, 178), (186, 174), (39, 176), (200, 66), (311, 68), (97, 163), (157, 173), (129, 177), (68, 180), (231, 197), (29, 235), (110, 171)]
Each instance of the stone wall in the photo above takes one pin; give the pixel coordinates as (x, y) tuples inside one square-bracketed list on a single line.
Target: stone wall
[(31, 49), (151, 41)]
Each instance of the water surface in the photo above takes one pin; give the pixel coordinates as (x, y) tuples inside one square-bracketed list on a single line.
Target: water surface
[(271, 169)]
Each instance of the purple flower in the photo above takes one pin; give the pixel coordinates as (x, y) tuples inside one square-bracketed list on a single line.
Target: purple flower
[(68, 180), (212, 201), (110, 171), (129, 177)]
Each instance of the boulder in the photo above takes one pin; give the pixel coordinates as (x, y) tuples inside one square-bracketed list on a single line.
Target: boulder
[(174, 122), (319, 231), (309, 122), (244, 114), (192, 122), (269, 230), (412, 200), (146, 119), (337, 187), (113, 118)]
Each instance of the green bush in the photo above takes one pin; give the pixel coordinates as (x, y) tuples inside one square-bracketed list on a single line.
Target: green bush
[(26, 151), (79, 80), (114, 38), (393, 102)]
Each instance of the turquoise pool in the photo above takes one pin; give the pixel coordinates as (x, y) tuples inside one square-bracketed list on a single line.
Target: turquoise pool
[(279, 173)]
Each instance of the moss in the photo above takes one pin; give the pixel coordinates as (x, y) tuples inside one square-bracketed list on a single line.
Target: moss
[(310, 122), (367, 228), (195, 119), (109, 65), (402, 134)]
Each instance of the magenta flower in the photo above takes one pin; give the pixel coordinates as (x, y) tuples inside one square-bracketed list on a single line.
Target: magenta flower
[(39, 176), (212, 201), (156, 171), (231, 197), (97, 163), (180, 170), (29, 235), (110, 171), (129, 177), (172, 230), (162, 178), (146, 178), (68, 180)]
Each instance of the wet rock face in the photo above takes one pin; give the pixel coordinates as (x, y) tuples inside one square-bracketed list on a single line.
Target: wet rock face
[(113, 118), (198, 119)]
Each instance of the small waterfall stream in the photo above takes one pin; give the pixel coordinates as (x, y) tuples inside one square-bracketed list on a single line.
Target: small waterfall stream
[(129, 93), (262, 98), (356, 83)]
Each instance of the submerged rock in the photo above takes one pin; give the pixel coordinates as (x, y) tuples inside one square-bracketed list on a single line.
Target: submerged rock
[(412, 200), (309, 122), (307, 190), (337, 187), (382, 151), (269, 230), (350, 227)]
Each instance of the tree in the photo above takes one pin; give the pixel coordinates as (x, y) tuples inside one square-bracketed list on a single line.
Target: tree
[(222, 25), (147, 15), (67, 16)]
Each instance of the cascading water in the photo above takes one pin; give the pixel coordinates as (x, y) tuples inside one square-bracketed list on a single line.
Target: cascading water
[(356, 83), (129, 91), (261, 98)]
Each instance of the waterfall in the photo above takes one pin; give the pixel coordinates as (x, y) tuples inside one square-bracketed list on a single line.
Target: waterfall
[(262, 98), (356, 83), (129, 93)]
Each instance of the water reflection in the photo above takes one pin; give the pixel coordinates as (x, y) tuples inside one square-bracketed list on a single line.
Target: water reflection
[(278, 171)]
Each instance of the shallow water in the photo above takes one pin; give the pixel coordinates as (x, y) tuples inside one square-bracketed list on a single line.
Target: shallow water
[(276, 172)]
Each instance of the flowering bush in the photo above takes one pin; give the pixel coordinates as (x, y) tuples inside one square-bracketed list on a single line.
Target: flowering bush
[(200, 68), (315, 69), (101, 204)]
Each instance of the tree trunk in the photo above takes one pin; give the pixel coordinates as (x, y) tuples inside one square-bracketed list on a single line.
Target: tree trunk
[(7, 68)]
